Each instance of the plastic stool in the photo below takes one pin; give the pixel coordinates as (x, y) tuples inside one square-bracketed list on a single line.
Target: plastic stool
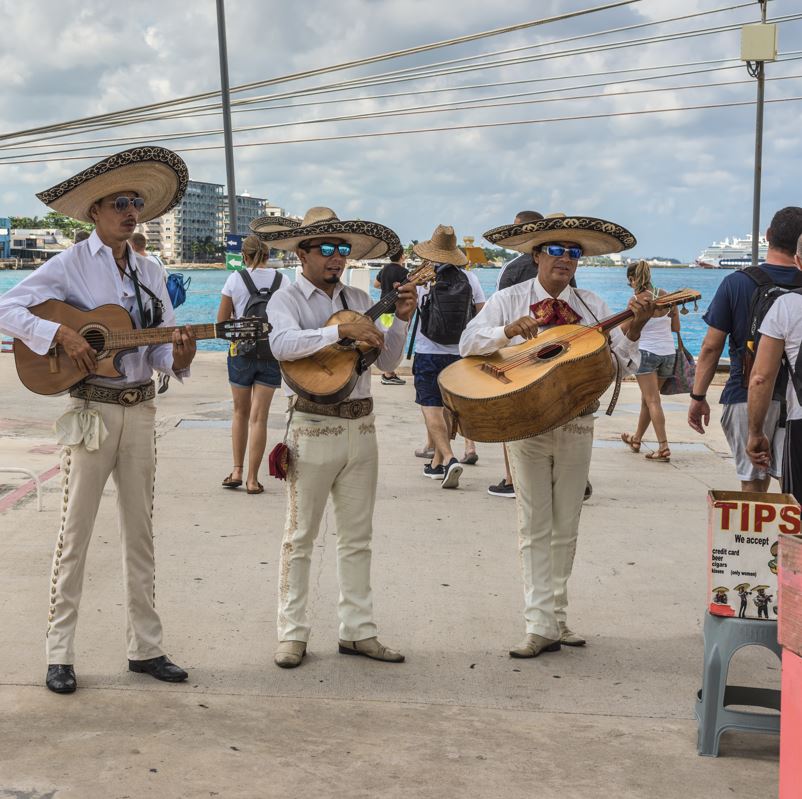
[(724, 636)]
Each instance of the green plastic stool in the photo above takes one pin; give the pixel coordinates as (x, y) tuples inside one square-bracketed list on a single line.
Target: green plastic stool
[(724, 636)]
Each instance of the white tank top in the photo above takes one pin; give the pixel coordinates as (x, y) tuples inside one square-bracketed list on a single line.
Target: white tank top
[(656, 336)]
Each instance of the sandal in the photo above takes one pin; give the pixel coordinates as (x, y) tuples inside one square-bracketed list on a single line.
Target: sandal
[(632, 442), (424, 452), (663, 454), (471, 458), (229, 482), (258, 490)]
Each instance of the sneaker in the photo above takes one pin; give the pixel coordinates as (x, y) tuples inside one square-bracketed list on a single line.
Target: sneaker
[(434, 472), (452, 474), (503, 489), (588, 492), (393, 380)]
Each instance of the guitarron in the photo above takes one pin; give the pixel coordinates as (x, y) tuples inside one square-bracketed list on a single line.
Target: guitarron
[(329, 375), (528, 389), (110, 331)]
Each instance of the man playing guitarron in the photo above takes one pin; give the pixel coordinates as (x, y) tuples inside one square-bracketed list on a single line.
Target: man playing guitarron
[(332, 447), (550, 470)]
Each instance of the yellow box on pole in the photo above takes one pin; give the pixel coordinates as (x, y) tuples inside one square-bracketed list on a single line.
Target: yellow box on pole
[(759, 42)]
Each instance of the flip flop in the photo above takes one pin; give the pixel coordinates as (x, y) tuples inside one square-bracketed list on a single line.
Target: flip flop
[(470, 459), (229, 483), (259, 490)]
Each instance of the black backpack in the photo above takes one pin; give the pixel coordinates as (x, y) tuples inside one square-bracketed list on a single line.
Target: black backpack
[(763, 298), (448, 307), (257, 306)]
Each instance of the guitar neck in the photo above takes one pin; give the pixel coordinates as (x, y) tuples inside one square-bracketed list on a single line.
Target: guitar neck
[(384, 304), (667, 301), (127, 339)]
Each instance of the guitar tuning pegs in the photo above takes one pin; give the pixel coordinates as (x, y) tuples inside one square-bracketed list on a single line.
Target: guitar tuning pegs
[(684, 310), (695, 307)]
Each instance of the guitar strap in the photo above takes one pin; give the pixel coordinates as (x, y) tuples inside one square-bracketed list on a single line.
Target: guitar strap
[(618, 375), (145, 319)]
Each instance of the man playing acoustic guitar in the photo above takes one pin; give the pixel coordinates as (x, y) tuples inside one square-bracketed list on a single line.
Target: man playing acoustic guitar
[(108, 428), (550, 470), (332, 446)]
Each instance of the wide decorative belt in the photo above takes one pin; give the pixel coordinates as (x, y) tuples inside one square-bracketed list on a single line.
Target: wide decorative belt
[(127, 395), (349, 409)]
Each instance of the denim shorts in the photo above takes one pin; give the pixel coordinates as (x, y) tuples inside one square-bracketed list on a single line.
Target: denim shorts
[(662, 364), (426, 369), (244, 372)]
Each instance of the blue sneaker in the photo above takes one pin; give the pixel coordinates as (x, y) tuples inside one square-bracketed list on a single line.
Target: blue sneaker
[(452, 474), (434, 472)]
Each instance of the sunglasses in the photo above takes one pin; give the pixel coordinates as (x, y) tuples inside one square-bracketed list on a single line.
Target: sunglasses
[(557, 250), (121, 203), (327, 249)]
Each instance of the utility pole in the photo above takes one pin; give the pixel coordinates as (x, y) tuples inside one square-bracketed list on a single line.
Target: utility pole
[(224, 91), (758, 45)]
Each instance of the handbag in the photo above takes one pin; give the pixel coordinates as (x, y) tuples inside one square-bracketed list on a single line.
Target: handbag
[(278, 461), (681, 382)]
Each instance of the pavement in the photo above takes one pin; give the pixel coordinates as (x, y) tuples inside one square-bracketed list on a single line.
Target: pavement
[(459, 718)]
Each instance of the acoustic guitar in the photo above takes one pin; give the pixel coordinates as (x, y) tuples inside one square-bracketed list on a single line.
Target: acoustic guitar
[(329, 375), (528, 389), (110, 331)]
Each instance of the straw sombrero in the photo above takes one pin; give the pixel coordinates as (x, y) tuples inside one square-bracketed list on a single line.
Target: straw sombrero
[(595, 236), (441, 248), (367, 239), (157, 175)]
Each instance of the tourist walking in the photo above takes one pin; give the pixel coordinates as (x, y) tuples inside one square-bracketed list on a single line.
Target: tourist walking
[(386, 280)]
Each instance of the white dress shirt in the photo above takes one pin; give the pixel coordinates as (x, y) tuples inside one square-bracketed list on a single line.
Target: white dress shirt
[(236, 289), (484, 334), (86, 276), (298, 315)]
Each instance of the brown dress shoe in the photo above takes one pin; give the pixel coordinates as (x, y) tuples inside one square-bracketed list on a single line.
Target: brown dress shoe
[(289, 654), (533, 645), (570, 638), (371, 648)]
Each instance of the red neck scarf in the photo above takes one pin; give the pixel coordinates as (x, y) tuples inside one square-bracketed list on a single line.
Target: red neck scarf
[(553, 312)]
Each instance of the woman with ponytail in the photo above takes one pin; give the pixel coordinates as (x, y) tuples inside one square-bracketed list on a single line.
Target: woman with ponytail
[(253, 376), (657, 354)]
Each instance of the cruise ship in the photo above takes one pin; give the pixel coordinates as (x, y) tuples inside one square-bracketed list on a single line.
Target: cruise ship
[(735, 253)]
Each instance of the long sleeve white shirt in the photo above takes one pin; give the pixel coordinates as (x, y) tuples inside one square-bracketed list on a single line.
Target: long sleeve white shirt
[(86, 276), (298, 315), (484, 334)]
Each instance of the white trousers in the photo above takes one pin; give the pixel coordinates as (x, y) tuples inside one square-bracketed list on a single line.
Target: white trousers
[(549, 473), (128, 453), (338, 457)]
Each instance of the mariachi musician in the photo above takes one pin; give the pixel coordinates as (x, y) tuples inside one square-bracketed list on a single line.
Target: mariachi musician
[(332, 447), (550, 470)]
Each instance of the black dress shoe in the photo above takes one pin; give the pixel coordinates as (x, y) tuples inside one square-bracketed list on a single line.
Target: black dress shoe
[(162, 668), (61, 679)]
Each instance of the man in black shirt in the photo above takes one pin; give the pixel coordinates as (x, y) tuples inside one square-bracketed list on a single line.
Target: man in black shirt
[(394, 272)]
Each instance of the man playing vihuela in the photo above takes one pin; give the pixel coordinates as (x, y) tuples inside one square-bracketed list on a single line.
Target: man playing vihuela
[(332, 447), (550, 470), (108, 428)]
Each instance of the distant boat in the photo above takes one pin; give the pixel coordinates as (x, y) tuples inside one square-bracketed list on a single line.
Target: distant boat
[(735, 253)]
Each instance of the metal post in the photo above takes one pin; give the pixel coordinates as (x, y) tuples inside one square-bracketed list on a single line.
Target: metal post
[(761, 75), (229, 147)]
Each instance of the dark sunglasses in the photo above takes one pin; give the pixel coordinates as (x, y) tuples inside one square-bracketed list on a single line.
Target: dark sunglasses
[(557, 250), (121, 204), (327, 249)]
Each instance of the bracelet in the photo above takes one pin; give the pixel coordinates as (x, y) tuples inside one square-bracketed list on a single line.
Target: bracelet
[(698, 397)]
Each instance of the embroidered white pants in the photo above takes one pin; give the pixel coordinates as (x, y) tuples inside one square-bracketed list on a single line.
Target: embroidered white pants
[(549, 473), (128, 454), (339, 457)]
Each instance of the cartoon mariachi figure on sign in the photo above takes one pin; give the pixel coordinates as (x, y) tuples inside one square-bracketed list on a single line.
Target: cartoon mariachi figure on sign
[(762, 601), (743, 593)]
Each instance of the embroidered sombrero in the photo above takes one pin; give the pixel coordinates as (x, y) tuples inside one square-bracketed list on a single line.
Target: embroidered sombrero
[(157, 175), (367, 239), (595, 236), (441, 248)]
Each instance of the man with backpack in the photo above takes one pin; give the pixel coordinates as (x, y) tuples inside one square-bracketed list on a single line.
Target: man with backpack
[(444, 310), (736, 312), (781, 338)]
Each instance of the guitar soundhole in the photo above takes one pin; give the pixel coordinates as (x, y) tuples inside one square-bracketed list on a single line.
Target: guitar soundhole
[(550, 352), (96, 339)]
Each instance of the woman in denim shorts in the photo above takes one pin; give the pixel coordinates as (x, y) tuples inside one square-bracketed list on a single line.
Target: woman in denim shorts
[(657, 355), (252, 380)]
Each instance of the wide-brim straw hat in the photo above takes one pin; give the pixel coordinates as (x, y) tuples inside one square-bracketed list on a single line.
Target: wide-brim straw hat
[(156, 174), (441, 248), (594, 236), (367, 239)]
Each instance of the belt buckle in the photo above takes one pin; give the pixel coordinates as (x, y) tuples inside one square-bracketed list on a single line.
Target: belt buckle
[(130, 396)]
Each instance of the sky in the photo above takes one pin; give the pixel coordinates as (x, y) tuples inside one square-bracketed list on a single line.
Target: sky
[(677, 180)]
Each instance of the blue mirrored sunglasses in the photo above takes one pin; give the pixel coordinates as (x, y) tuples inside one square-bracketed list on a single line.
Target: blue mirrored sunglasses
[(121, 203), (557, 250), (327, 249)]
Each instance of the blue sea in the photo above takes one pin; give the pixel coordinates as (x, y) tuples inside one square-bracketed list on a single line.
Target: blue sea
[(610, 283)]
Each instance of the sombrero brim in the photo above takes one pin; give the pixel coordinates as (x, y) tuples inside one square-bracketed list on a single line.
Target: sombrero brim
[(367, 239), (595, 236), (271, 224), (156, 174), (431, 252)]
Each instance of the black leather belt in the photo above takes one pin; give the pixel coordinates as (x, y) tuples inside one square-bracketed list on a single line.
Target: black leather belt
[(126, 396), (349, 409)]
